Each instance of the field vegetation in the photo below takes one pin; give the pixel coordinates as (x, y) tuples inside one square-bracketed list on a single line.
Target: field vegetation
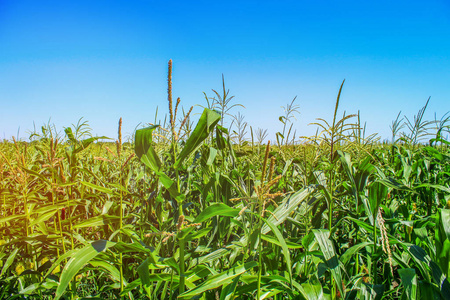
[(204, 211)]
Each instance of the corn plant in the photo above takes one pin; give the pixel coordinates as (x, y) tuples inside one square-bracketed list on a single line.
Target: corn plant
[(184, 211)]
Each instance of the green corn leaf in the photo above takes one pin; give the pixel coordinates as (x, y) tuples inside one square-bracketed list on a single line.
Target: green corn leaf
[(144, 275), (228, 292), (330, 256), (428, 291), (377, 193), (43, 217), (443, 258), (434, 186), (199, 272), (409, 281), (394, 184), (113, 271), (221, 141), (212, 155), (78, 260), (347, 165), (425, 264), (275, 241), (218, 280), (147, 154), (122, 247), (444, 223), (144, 149), (287, 206), (98, 221), (40, 176), (59, 260), (164, 277), (205, 125), (351, 251), (171, 186), (181, 235), (29, 289), (273, 284), (210, 257), (79, 146), (11, 218), (54, 207), (442, 241), (98, 188), (85, 143), (283, 245), (9, 261), (70, 135), (198, 234), (312, 289), (369, 229), (372, 291), (218, 209)]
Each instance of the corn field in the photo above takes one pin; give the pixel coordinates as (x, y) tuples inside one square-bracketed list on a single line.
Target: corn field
[(201, 211)]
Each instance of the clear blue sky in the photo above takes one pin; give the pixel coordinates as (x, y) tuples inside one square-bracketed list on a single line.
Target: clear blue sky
[(102, 60)]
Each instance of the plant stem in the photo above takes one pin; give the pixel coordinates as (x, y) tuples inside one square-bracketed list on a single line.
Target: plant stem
[(181, 243), (120, 235), (259, 262), (374, 263)]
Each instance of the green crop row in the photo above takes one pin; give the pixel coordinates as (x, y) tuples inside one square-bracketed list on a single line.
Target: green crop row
[(194, 212)]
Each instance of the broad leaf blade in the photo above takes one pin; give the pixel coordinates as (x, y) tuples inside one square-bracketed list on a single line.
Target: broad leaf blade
[(205, 125), (9, 261), (330, 256), (409, 281), (289, 204), (377, 193), (144, 275), (218, 280), (144, 149), (218, 209), (78, 260), (284, 247)]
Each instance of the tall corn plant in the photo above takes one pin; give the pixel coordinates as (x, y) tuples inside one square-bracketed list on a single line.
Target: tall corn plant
[(222, 102), (396, 126), (239, 135), (169, 176), (75, 146), (284, 137), (332, 135), (418, 127), (442, 126)]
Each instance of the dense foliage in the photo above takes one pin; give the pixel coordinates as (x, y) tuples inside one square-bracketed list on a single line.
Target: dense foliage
[(196, 212)]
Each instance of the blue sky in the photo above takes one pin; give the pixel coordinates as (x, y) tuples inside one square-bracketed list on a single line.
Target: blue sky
[(103, 60)]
